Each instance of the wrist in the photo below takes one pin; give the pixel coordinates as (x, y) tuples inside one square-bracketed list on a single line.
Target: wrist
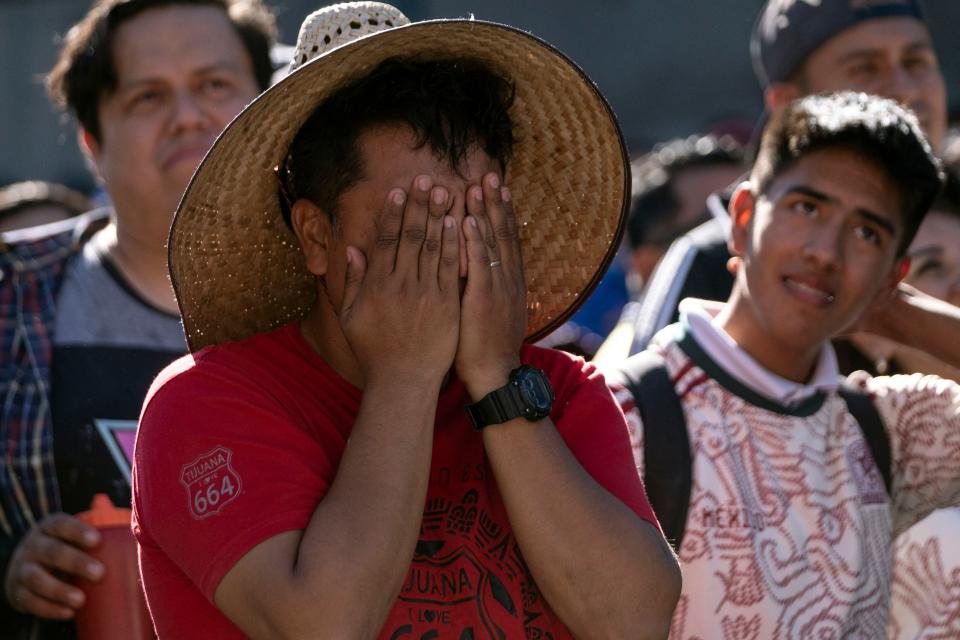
[(483, 380)]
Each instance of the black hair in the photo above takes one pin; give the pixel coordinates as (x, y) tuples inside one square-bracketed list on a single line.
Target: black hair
[(876, 128), (451, 105), (85, 70), (653, 201)]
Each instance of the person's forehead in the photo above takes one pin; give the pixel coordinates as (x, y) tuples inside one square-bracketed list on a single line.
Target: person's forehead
[(851, 178), (175, 40), (877, 34), (391, 152)]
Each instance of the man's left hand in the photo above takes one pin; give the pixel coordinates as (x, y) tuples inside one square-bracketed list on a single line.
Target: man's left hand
[(493, 315)]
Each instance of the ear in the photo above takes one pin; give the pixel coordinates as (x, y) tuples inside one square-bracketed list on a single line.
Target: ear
[(741, 213), (779, 94), (314, 230), (899, 271), (91, 151)]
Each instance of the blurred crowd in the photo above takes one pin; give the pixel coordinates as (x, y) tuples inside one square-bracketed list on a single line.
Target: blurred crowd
[(90, 319)]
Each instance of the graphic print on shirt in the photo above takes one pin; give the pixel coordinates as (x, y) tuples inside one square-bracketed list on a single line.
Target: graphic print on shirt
[(211, 482), (460, 571), (118, 436)]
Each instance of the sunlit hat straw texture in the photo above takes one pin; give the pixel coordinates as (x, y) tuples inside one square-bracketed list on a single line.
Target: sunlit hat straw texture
[(237, 268)]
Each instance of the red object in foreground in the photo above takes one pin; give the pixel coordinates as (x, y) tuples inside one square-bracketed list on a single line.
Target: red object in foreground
[(115, 606)]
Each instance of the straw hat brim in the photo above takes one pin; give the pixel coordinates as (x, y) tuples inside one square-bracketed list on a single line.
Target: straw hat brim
[(237, 268)]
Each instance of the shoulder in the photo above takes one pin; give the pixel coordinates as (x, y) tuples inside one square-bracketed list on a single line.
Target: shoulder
[(905, 400)]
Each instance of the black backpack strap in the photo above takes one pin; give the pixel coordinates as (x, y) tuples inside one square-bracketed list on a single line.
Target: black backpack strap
[(667, 461), (865, 413)]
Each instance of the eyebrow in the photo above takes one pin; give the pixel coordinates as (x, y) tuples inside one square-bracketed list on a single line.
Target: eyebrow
[(927, 251), (820, 196), (148, 79), (869, 52)]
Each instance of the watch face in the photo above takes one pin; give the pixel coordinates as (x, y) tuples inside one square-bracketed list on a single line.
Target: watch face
[(536, 391)]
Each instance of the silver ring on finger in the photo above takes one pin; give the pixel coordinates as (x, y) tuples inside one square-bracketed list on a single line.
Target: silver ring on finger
[(494, 263)]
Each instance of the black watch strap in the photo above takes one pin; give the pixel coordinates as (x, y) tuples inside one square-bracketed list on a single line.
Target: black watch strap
[(527, 394), (496, 407)]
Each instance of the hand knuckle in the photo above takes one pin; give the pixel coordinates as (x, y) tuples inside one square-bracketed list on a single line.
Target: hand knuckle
[(431, 245), (414, 234), (386, 241)]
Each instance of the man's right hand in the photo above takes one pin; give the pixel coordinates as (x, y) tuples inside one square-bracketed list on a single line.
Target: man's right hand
[(401, 306), (52, 552)]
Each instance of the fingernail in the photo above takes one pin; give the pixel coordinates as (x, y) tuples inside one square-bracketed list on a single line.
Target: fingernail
[(76, 598), (424, 183), (477, 194), (493, 181), (439, 195), (472, 221), (398, 196), (95, 569), (505, 194), (448, 222)]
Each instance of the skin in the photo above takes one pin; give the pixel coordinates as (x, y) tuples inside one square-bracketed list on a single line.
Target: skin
[(934, 270), (890, 57), (182, 74), (396, 315), (810, 249)]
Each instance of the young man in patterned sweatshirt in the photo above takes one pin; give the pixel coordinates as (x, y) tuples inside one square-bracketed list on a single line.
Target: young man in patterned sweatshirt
[(789, 526)]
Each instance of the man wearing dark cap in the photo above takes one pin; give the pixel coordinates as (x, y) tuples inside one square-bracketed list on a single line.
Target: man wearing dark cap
[(802, 47)]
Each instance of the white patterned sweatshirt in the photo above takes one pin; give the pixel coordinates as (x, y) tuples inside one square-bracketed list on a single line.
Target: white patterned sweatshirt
[(789, 530)]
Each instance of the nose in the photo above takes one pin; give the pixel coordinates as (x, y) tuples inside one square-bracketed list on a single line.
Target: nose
[(188, 113), (904, 87), (823, 248)]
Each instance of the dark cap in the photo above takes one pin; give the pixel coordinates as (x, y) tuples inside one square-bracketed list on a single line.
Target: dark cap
[(787, 31)]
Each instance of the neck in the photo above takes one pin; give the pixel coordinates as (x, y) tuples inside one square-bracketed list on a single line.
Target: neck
[(142, 259), (791, 361)]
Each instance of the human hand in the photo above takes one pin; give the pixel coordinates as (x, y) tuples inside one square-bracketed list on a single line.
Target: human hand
[(53, 551), (493, 316), (401, 306)]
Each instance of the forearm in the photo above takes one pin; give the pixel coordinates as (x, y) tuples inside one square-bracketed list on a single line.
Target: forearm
[(603, 570), (341, 576), (925, 323)]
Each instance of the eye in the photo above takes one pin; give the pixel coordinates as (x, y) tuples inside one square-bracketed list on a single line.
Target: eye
[(806, 208), (932, 266), (871, 235), (215, 85), (145, 98)]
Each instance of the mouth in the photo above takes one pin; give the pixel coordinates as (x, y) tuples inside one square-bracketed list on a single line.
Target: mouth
[(192, 154), (809, 290)]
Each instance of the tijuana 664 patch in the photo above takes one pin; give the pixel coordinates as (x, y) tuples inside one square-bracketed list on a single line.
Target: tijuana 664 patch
[(211, 482)]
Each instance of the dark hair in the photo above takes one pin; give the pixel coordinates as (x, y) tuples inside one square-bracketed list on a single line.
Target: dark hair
[(877, 128), (653, 201), (85, 70), (451, 104), (18, 196)]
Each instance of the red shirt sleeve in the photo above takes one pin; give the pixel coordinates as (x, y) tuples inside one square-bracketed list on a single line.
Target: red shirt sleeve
[(221, 466), (593, 426)]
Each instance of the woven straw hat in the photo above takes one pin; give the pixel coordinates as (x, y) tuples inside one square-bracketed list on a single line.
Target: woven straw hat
[(237, 268)]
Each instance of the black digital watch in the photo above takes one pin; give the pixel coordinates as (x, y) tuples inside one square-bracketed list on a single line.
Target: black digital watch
[(527, 394)]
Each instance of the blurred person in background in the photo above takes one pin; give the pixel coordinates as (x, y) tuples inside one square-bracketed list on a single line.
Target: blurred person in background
[(670, 185), (882, 47), (34, 202), (925, 599), (151, 83)]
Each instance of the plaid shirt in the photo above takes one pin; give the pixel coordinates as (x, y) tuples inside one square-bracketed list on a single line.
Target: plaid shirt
[(32, 267)]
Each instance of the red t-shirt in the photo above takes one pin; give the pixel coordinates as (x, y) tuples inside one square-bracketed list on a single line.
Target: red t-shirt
[(240, 442)]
